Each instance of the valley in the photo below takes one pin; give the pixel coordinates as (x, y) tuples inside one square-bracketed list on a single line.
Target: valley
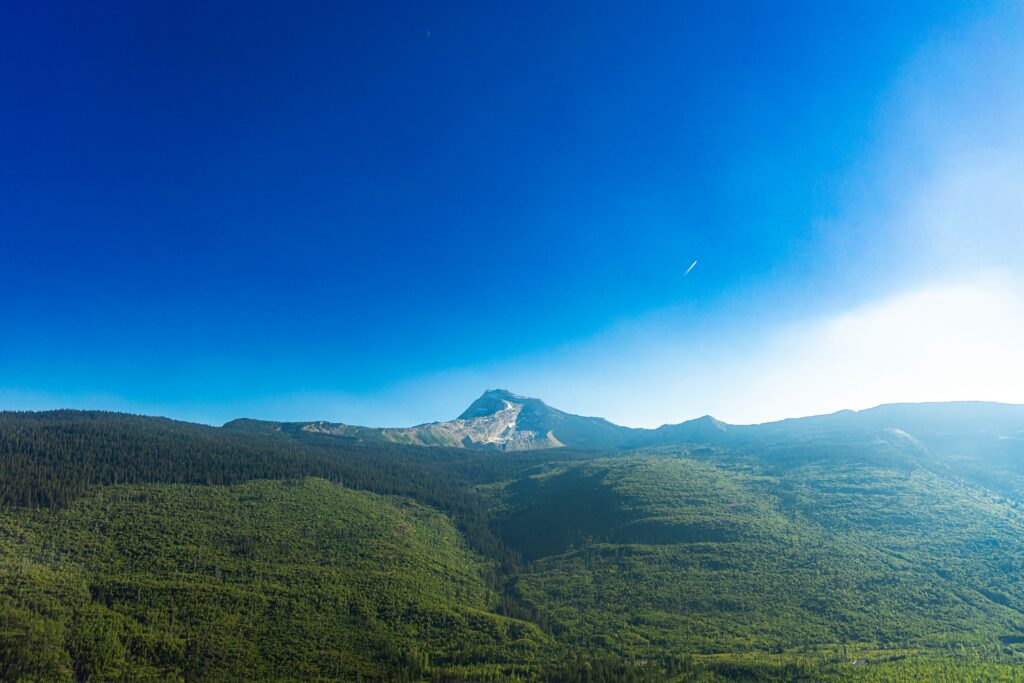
[(881, 545)]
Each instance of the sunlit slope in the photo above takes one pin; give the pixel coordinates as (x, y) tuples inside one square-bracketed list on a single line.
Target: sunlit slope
[(712, 553), (146, 548), (258, 581)]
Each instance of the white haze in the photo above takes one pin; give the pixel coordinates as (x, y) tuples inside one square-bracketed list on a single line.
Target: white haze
[(928, 258)]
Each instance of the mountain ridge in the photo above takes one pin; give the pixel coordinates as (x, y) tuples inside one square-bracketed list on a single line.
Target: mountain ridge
[(502, 420)]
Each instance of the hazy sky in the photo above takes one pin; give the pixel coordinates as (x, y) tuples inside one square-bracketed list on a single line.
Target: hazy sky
[(306, 211)]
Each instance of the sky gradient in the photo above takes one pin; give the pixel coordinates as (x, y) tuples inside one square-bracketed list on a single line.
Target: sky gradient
[(371, 214)]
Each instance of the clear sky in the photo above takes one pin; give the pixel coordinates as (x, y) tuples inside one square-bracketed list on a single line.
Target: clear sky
[(370, 213)]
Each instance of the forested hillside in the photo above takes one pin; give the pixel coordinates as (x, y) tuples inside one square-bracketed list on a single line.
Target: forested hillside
[(136, 548), (257, 581), (678, 553)]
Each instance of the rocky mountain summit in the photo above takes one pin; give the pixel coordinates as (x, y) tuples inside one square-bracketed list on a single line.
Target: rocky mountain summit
[(503, 421), (498, 419)]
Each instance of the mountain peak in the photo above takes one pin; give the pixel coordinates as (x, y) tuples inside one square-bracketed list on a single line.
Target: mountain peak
[(503, 393), (709, 422), (493, 400)]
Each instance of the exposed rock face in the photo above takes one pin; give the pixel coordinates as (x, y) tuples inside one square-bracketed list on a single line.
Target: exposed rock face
[(505, 421), (494, 400), (498, 419)]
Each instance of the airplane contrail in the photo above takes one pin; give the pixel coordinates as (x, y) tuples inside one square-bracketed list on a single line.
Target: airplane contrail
[(689, 269)]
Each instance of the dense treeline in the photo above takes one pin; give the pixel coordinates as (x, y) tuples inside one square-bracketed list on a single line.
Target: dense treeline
[(50, 459), (642, 555), (138, 547), (258, 581)]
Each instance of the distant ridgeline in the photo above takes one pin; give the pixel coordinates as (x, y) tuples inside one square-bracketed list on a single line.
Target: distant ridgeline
[(516, 542)]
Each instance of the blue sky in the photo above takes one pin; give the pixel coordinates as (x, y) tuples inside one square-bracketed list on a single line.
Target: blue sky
[(373, 213)]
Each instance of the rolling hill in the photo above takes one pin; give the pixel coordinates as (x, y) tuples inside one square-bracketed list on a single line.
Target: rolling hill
[(144, 548)]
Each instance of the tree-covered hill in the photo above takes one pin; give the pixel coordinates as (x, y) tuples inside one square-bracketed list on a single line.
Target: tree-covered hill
[(136, 548), (643, 554), (256, 581)]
